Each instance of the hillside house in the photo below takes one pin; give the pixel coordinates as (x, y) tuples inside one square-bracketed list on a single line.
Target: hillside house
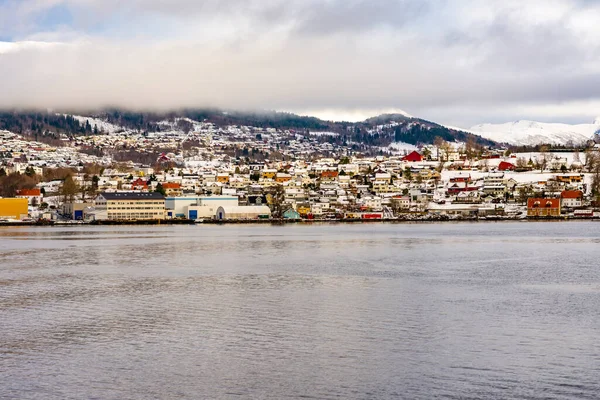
[(571, 199)]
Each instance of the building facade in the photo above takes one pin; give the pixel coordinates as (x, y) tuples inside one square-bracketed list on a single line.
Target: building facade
[(539, 207), (130, 206), (571, 199), (12, 208)]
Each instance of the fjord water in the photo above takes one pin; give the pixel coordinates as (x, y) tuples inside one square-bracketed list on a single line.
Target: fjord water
[(415, 311)]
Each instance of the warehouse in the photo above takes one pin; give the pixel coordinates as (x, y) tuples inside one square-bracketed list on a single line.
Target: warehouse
[(11, 208), (205, 207), (242, 212)]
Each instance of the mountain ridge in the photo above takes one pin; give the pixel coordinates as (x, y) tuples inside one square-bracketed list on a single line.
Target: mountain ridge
[(379, 131), (531, 133)]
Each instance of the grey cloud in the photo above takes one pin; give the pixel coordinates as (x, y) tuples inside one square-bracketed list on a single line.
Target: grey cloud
[(315, 54), (359, 15)]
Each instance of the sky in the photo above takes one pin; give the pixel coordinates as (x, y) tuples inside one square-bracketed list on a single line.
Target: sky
[(457, 62)]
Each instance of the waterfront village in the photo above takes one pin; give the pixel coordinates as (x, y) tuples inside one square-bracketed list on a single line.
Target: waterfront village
[(303, 179)]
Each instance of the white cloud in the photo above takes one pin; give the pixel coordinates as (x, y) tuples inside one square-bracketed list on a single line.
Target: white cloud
[(459, 62)]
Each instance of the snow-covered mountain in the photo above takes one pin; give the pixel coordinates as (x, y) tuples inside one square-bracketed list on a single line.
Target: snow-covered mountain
[(533, 133)]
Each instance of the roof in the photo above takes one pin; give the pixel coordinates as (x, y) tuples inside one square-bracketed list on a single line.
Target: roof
[(245, 209), (413, 156), (571, 194), (132, 196), (329, 174), (29, 192), (541, 202)]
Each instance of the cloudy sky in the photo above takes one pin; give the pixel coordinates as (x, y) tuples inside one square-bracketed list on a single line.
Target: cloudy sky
[(459, 62)]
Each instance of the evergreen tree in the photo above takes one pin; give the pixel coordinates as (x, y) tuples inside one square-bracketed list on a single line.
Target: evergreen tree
[(160, 189)]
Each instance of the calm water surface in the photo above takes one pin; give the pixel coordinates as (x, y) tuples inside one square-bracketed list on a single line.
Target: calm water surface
[(457, 311)]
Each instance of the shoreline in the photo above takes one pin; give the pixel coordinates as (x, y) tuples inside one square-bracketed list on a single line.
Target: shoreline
[(289, 221)]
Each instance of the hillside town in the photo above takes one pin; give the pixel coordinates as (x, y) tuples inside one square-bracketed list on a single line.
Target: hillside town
[(204, 173)]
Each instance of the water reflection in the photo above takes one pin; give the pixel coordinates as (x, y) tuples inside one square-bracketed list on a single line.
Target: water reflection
[(360, 311)]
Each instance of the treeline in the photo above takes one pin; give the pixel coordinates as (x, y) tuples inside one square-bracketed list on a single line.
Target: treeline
[(277, 120), (25, 122), (410, 130), (148, 121), (43, 124), (566, 148), (425, 132), (11, 183)]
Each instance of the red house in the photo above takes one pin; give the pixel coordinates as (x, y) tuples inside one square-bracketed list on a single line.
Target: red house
[(540, 207), (139, 184), (413, 157), (329, 175), (506, 166)]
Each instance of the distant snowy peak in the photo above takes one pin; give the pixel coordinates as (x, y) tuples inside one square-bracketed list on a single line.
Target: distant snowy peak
[(531, 133)]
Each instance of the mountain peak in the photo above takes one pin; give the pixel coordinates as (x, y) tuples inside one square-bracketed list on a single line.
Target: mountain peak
[(525, 132)]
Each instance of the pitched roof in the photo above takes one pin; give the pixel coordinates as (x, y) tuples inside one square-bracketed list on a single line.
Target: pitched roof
[(329, 174), (571, 194), (541, 202), (132, 196), (413, 156), (29, 192), (505, 165)]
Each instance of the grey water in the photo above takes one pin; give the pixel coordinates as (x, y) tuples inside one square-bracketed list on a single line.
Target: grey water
[(366, 311)]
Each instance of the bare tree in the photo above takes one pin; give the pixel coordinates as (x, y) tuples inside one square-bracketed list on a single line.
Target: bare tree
[(277, 199), (521, 163), (69, 190)]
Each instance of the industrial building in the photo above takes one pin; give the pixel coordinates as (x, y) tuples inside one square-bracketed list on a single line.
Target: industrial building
[(130, 206), (213, 207), (78, 211), (12, 208), (194, 207), (243, 212)]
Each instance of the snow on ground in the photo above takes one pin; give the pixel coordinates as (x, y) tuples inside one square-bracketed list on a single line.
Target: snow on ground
[(400, 147), (569, 156), (532, 133), (520, 177), (196, 125), (101, 124), (323, 133)]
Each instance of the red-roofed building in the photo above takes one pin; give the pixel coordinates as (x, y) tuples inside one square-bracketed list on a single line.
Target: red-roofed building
[(29, 192), (139, 184), (571, 199), (538, 207), (172, 189), (413, 157), (33, 196), (506, 166), (329, 175), (460, 178)]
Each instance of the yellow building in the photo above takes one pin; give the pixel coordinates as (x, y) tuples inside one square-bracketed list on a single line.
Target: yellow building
[(11, 208), (269, 173), (281, 177), (223, 178), (303, 210)]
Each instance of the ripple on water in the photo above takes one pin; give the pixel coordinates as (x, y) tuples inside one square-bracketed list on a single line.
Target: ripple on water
[(413, 311)]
